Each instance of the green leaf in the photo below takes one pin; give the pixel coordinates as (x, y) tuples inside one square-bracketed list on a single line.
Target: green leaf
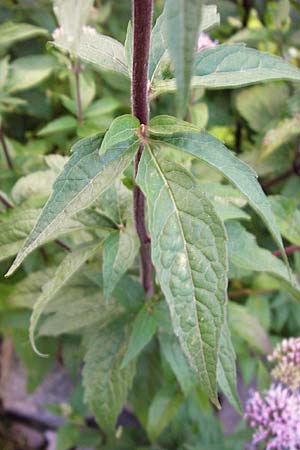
[(11, 32), (285, 132), (227, 370), (85, 176), (247, 327), (68, 436), (26, 291), (62, 275), (182, 27), (102, 51), (189, 254), (28, 71), (101, 107), (259, 106), (211, 151), (36, 368), (14, 229), (77, 307), (233, 65), (119, 252), (63, 124), (128, 46), (171, 350), (34, 184), (159, 45), (123, 128), (287, 215), (245, 253), (230, 65), (106, 384), (144, 328), (162, 410)]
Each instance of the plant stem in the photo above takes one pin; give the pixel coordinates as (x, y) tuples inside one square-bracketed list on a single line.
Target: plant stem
[(5, 150), (287, 250), (142, 24), (76, 70), (5, 202)]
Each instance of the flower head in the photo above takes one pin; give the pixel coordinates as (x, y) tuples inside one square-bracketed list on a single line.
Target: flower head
[(286, 358), (204, 41), (276, 418)]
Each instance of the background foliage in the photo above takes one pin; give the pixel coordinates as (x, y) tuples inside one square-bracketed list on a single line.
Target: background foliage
[(40, 121)]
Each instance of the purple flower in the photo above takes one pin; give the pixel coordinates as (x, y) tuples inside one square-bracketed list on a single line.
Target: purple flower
[(286, 358), (204, 41), (276, 418)]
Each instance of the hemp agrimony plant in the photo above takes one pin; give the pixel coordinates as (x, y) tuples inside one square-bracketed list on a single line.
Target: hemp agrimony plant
[(131, 196)]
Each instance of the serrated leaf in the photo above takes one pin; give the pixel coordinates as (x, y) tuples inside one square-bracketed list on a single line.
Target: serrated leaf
[(64, 272), (211, 151), (122, 128), (102, 51), (11, 32), (227, 370), (245, 253), (233, 65), (189, 254), (247, 327), (171, 350), (119, 252), (230, 65), (182, 26), (28, 71), (106, 385), (143, 330), (85, 176), (162, 410)]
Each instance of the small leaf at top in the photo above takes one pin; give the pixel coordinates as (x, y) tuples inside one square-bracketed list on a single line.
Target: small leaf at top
[(122, 128)]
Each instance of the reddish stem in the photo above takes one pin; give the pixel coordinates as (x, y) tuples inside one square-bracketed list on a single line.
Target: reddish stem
[(6, 150), (142, 25), (288, 250)]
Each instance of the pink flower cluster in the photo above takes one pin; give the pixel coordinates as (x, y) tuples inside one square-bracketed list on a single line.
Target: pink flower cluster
[(286, 358), (204, 41), (276, 418)]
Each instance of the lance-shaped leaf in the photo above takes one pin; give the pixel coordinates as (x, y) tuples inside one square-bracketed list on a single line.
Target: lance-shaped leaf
[(85, 176), (227, 369), (233, 65), (189, 254), (119, 252), (143, 330), (62, 275), (106, 385), (245, 253), (214, 153), (11, 32), (182, 27)]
